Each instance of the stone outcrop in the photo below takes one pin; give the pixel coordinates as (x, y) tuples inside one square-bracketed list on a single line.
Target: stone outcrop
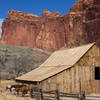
[(53, 31), (84, 22)]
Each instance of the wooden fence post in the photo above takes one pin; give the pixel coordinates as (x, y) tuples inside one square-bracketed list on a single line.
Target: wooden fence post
[(57, 94), (31, 93), (41, 93)]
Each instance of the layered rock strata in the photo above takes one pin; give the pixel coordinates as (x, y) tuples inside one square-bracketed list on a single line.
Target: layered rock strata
[(53, 31)]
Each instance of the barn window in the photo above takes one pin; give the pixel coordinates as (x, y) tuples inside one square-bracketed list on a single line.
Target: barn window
[(97, 73)]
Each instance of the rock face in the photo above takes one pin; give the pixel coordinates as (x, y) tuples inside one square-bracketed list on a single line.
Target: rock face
[(53, 31)]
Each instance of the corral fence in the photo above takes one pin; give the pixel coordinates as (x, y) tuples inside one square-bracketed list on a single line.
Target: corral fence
[(39, 94)]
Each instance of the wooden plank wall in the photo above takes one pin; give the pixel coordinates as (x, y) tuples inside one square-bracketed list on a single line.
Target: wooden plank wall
[(78, 78)]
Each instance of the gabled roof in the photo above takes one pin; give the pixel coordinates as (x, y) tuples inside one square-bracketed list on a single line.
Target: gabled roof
[(57, 62)]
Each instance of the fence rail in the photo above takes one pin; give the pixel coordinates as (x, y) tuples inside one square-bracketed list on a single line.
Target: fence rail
[(55, 95)]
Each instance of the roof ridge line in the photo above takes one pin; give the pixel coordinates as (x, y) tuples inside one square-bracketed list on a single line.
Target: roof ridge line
[(75, 47)]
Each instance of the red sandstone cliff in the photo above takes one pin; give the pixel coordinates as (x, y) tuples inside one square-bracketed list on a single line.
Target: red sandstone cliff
[(52, 31)]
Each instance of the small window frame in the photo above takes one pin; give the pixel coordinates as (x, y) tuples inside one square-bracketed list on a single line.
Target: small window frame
[(97, 73)]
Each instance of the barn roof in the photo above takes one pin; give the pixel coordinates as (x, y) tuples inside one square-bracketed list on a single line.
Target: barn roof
[(57, 62)]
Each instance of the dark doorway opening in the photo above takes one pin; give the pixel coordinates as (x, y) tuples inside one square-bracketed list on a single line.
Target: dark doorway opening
[(97, 73)]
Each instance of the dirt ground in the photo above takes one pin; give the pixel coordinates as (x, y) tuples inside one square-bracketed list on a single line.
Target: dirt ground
[(6, 95)]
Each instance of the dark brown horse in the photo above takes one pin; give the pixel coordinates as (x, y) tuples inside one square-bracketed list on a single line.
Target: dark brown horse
[(24, 90)]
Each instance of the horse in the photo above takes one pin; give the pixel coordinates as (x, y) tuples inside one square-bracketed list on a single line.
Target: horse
[(24, 90), (13, 87)]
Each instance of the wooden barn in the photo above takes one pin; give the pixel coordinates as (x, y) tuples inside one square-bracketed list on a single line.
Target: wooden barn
[(70, 70)]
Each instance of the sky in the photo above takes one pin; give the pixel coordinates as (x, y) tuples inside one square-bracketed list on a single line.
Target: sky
[(34, 7)]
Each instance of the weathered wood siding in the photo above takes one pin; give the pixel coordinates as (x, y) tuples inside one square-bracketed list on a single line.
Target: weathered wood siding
[(81, 77)]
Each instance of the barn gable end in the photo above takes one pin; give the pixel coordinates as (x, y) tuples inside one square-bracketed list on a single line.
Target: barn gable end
[(80, 77)]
